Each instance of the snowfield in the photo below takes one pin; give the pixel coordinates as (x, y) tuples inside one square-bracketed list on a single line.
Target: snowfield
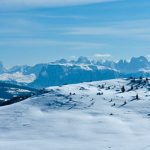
[(86, 116), (18, 77)]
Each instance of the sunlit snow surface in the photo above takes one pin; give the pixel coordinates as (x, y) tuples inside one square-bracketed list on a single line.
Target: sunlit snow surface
[(18, 77), (62, 120)]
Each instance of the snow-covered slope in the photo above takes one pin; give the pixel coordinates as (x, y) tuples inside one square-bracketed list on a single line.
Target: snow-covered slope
[(87, 116), (10, 93), (17, 77)]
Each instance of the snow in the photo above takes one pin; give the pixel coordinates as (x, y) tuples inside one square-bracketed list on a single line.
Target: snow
[(15, 91), (62, 120), (85, 67), (18, 77)]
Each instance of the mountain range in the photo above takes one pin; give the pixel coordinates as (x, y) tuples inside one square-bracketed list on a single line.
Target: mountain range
[(64, 71)]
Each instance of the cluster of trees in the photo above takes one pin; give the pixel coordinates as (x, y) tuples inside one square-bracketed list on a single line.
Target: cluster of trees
[(139, 80), (15, 99)]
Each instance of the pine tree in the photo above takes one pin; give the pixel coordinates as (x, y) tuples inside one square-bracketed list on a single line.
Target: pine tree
[(131, 87), (123, 89), (137, 96)]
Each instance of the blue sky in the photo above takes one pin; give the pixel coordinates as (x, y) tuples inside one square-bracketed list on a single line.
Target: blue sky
[(33, 31)]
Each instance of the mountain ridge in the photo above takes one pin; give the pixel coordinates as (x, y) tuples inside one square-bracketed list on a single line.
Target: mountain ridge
[(64, 71)]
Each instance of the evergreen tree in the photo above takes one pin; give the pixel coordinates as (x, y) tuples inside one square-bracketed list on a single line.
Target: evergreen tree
[(123, 89), (137, 96)]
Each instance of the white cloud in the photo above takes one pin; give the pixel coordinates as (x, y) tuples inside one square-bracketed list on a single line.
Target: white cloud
[(45, 3), (109, 31), (73, 45), (73, 57), (130, 29), (102, 56)]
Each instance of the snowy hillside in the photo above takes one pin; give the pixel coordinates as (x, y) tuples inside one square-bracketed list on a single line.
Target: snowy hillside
[(112, 114), (18, 77), (13, 93)]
